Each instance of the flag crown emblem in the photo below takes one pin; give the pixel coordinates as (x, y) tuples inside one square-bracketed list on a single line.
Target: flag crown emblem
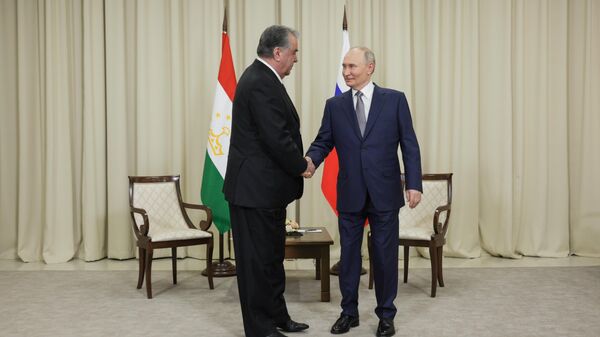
[(213, 140)]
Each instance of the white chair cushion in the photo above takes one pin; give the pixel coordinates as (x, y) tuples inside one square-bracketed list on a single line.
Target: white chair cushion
[(416, 233), (417, 223), (178, 234), (164, 213)]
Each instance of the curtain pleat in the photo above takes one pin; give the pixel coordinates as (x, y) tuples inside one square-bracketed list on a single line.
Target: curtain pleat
[(504, 94)]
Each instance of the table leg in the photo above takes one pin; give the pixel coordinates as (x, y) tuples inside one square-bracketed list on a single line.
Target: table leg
[(318, 269), (325, 274)]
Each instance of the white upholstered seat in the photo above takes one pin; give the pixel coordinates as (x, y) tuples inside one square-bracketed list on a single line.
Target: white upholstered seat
[(417, 223), (160, 221), (164, 212)]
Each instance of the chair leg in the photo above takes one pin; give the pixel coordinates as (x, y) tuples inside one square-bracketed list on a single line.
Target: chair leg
[(174, 263), (439, 265), (209, 264), (370, 260), (406, 256), (434, 269), (142, 262), (149, 254)]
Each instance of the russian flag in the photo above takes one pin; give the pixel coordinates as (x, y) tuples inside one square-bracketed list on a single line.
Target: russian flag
[(331, 165)]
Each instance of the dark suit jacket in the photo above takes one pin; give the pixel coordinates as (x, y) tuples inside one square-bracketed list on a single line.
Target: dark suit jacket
[(370, 163), (265, 154)]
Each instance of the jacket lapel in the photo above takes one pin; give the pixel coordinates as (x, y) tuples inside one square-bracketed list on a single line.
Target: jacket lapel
[(281, 87), (375, 110), (290, 104)]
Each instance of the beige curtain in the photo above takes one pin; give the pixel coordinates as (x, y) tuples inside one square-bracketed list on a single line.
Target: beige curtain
[(504, 94), (162, 61), (583, 106)]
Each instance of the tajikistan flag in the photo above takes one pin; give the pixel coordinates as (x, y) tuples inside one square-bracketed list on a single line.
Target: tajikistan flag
[(219, 135)]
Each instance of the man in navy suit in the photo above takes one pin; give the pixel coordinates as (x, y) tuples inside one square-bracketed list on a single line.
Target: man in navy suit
[(264, 174), (366, 125)]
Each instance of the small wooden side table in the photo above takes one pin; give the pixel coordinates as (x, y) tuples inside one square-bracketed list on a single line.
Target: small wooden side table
[(313, 245)]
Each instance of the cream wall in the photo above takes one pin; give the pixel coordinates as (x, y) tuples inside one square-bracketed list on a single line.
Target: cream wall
[(504, 94)]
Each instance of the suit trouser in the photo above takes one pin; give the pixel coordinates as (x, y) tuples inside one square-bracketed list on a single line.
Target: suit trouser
[(259, 244), (384, 236)]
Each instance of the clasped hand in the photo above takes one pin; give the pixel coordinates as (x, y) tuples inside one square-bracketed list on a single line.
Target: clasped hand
[(310, 168)]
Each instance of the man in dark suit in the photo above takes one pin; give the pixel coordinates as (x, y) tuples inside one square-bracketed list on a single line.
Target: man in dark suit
[(264, 174), (366, 125)]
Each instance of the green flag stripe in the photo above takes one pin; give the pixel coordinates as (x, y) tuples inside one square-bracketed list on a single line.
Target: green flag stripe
[(212, 195)]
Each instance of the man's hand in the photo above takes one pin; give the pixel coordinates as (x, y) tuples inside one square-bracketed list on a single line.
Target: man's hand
[(413, 197), (310, 168)]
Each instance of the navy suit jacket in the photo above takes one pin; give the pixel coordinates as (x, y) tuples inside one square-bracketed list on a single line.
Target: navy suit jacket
[(370, 163)]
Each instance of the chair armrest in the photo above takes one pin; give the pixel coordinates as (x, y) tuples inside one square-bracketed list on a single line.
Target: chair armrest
[(437, 226), (204, 224), (145, 227)]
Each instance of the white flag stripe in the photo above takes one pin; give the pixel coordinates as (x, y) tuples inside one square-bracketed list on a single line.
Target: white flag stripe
[(220, 130), (345, 47)]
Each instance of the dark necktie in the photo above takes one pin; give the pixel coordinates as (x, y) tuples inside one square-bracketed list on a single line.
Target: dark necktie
[(360, 113)]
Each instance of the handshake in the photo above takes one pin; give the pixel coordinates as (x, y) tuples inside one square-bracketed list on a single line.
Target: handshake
[(310, 168)]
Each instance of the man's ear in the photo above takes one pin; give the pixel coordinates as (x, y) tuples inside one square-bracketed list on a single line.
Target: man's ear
[(277, 53), (371, 68)]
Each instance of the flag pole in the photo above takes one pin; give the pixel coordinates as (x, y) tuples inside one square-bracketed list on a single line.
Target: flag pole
[(335, 269), (345, 21), (222, 267)]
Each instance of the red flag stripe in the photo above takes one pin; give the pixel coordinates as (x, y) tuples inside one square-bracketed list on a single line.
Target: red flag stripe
[(226, 71), (329, 179)]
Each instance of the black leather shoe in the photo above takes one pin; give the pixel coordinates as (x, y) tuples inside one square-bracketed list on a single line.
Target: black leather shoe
[(343, 324), (386, 328), (276, 334), (291, 326)]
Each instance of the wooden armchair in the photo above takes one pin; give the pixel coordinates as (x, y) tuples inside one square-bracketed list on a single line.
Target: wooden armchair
[(160, 220), (425, 225)]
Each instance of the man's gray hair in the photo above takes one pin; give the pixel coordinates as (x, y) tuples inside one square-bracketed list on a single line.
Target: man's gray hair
[(369, 55), (273, 37)]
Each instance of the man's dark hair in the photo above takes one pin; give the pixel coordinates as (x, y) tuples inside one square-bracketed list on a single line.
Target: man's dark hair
[(272, 37)]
